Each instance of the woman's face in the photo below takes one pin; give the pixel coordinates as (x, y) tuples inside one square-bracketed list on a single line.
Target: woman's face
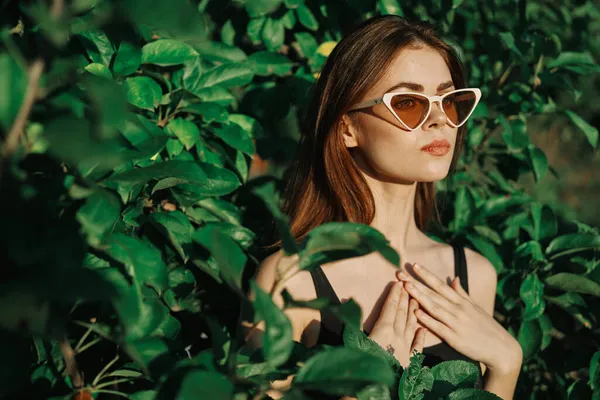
[(380, 145)]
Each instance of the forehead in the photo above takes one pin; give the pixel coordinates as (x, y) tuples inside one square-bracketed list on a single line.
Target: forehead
[(423, 66)]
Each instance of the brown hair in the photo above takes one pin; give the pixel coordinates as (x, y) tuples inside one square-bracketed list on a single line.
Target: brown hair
[(324, 183)]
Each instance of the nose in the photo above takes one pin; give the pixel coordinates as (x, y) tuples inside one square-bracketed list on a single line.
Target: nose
[(437, 117)]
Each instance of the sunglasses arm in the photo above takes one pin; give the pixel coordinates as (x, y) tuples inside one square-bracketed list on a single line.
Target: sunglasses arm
[(366, 104)]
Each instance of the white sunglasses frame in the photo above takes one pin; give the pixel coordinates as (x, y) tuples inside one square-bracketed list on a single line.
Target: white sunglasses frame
[(387, 97)]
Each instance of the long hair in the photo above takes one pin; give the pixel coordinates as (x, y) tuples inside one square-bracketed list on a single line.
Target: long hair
[(324, 183)]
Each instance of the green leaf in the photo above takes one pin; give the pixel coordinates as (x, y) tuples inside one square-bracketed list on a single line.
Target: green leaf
[(449, 375), (289, 20), (199, 384), (590, 132), (355, 338), (293, 3), (464, 209), (531, 249), (191, 171), (277, 342), (187, 132), (573, 283), (261, 7), (210, 112), (266, 63), (165, 52), (539, 162), (572, 243), (236, 137), (530, 337), (546, 325), (390, 7), (99, 214), (99, 70), (228, 254), (149, 353), (509, 42), (13, 82), (273, 34), (306, 17), (416, 379), (307, 42), (143, 92), (575, 305), (334, 241), (581, 63), (215, 94), (472, 394), (178, 230), (226, 75), (343, 371), (595, 371), (223, 209), (127, 60), (545, 224), (99, 47), (532, 294), (142, 262), (180, 19)]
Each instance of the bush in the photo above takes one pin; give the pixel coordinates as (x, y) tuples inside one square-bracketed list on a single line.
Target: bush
[(131, 224)]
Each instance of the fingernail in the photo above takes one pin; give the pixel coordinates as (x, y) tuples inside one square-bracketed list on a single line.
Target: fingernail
[(416, 266)]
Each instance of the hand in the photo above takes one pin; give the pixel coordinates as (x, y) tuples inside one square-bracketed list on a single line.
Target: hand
[(450, 313), (396, 329)]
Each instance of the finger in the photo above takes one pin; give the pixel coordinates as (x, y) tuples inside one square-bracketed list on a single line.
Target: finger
[(433, 325), (390, 307), (435, 283), (436, 305), (411, 320), (402, 311), (419, 341), (455, 284)]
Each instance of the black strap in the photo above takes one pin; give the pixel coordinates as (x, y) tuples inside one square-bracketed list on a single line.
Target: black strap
[(460, 266), (323, 286)]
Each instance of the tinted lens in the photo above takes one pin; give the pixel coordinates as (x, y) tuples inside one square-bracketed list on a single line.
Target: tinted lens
[(458, 106), (411, 109)]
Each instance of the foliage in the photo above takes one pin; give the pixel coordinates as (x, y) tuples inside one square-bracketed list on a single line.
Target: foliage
[(131, 223)]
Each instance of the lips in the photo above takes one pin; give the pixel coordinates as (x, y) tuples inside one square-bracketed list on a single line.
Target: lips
[(437, 145)]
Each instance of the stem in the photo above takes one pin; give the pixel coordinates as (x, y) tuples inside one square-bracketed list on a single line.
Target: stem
[(105, 384), (505, 74), (106, 367), (85, 335), (71, 364), (88, 345)]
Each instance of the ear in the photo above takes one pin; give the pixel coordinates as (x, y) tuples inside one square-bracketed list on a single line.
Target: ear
[(349, 131)]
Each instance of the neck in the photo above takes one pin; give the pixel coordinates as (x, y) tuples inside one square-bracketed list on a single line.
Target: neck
[(395, 214)]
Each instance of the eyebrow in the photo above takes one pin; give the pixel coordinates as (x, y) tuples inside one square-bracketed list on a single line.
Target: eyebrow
[(419, 88)]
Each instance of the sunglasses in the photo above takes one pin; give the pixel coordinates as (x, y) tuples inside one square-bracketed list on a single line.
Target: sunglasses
[(411, 109)]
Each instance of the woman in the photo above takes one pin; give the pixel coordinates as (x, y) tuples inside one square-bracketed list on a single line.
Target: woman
[(387, 120)]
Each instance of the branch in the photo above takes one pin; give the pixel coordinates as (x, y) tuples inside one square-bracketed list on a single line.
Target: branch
[(71, 365), (34, 75), (12, 139)]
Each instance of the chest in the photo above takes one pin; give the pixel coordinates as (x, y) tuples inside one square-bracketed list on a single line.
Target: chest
[(367, 279)]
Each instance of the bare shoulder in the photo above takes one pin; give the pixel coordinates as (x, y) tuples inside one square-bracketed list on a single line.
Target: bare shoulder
[(278, 266), (483, 279)]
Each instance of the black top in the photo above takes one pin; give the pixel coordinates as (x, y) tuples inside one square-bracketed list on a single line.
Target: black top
[(331, 327)]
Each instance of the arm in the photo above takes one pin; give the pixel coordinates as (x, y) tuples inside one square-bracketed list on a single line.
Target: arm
[(266, 278), (500, 379), (466, 323)]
